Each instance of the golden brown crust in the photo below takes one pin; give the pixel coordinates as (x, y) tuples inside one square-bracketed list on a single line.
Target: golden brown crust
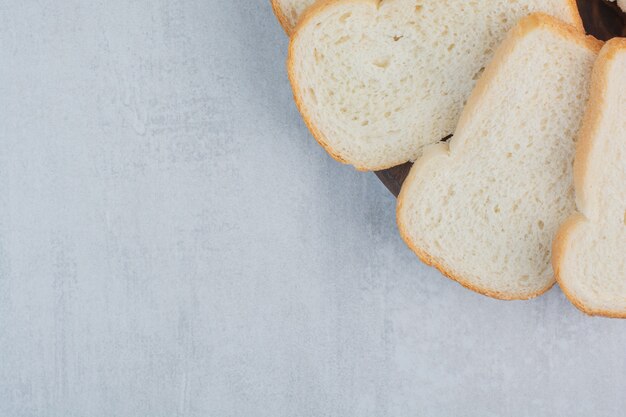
[(282, 19), (586, 143), (573, 7), (573, 33), (532, 22), (525, 26)]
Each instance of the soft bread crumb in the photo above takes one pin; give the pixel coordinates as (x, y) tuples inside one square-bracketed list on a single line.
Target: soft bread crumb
[(377, 81), (485, 208)]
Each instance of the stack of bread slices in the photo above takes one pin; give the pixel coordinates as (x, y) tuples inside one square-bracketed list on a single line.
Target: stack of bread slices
[(531, 189)]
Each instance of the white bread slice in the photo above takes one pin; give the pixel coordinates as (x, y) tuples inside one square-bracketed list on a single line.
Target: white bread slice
[(288, 12), (376, 81), (484, 208), (590, 249)]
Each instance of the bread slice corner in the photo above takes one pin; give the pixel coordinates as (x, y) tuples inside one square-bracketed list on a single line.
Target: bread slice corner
[(288, 12)]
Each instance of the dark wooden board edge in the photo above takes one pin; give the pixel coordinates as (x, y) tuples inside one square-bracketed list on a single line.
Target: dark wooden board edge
[(602, 19)]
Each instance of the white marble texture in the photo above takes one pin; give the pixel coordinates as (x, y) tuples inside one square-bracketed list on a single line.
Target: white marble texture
[(174, 243)]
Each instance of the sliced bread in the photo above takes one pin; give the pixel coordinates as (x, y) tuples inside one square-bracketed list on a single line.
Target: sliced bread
[(288, 12), (484, 208), (376, 81), (590, 249)]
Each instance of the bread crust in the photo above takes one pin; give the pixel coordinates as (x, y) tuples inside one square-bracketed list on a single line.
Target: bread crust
[(284, 22), (586, 143), (573, 7), (282, 19), (526, 25), (321, 5)]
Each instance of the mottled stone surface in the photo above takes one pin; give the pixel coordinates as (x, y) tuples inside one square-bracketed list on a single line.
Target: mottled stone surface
[(174, 243)]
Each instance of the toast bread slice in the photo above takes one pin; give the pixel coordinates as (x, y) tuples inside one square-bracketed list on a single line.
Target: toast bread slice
[(590, 248), (484, 208)]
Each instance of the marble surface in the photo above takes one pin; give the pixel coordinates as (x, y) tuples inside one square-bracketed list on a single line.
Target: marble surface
[(174, 243)]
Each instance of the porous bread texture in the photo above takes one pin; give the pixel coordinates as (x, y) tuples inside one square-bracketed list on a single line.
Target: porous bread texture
[(590, 249), (376, 81), (288, 12), (484, 208)]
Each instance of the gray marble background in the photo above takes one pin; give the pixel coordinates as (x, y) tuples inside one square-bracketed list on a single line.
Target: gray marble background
[(174, 243)]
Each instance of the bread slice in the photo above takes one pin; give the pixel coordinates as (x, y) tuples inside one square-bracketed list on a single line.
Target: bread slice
[(590, 249), (484, 208), (288, 12), (376, 81)]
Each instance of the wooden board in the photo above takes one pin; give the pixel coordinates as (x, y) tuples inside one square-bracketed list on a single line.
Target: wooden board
[(602, 19)]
